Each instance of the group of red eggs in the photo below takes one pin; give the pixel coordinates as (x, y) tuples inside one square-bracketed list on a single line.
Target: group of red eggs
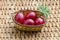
[(29, 19)]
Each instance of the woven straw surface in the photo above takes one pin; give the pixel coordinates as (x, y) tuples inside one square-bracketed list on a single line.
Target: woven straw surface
[(7, 30)]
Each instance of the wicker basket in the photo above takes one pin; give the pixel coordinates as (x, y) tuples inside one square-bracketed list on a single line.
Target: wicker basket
[(29, 27)]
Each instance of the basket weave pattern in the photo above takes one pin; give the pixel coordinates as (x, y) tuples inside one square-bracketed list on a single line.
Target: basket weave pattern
[(7, 30)]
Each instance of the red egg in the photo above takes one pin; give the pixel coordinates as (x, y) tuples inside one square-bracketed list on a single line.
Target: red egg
[(31, 15), (19, 17), (29, 22), (39, 21)]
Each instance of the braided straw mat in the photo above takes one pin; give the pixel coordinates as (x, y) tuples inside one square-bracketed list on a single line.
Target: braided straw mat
[(7, 30)]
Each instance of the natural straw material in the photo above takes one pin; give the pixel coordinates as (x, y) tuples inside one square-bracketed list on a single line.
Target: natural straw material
[(7, 30)]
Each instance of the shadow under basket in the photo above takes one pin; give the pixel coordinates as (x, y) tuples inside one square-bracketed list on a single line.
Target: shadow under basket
[(23, 27)]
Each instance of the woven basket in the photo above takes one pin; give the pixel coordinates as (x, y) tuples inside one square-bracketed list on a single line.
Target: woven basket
[(29, 27)]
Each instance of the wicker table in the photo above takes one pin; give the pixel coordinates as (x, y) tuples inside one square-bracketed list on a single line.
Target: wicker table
[(7, 30)]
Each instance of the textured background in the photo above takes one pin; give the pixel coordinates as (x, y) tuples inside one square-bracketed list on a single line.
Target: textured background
[(7, 30)]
